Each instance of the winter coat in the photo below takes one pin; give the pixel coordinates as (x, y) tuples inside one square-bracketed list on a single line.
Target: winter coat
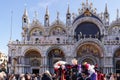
[(46, 76)]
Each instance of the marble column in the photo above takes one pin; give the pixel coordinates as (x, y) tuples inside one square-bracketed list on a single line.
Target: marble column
[(44, 62)]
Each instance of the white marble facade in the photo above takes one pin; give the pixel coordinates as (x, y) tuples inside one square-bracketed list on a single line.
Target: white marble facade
[(87, 36)]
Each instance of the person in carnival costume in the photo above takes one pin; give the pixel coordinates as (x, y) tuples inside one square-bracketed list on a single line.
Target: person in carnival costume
[(91, 69), (59, 68), (85, 76), (75, 70), (93, 73), (68, 71)]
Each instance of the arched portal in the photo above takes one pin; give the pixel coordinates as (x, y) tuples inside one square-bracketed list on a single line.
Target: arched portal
[(88, 60), (117, 61), (32, 61), (53, 56), (90, 53), (118, 66), (86, 30)]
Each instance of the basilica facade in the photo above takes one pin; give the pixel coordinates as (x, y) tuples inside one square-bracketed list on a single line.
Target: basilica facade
[(86, 35)]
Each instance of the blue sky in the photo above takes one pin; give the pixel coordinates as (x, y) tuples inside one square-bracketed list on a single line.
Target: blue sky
[(17, 6)]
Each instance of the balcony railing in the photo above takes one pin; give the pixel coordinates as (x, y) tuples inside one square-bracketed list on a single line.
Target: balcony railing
[(42, 42)]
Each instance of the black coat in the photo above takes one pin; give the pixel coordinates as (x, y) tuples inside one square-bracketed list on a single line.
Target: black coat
[(46, 76)]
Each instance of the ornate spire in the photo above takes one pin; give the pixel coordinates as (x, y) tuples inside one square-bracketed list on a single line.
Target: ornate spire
[(106, 10), (68, 10), (46, 22), (68, 17), (57, 15), (25, 12), (25, 17), (106, 16), (117, 14), (47, 13)]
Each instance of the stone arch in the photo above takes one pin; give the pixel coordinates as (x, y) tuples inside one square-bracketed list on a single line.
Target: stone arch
[(114, 30), (57, 30), (92, 20), (94, 42), (32, 53), (117, 52), (40, 29), (89, 48), (55, 47), (118, 66), (58, 24), (33, 60), (89, 59), (116, 60), (95, 57), (32, 48), (36, 25), (87, 30), (54, 54)]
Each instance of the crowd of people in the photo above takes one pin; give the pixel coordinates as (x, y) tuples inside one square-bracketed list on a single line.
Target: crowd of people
[(64, 71)]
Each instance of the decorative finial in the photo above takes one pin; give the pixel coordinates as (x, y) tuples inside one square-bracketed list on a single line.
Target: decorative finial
[(117, 14), (106, 10), (25, 11), (68, 11), (47, 10), (57, 15)]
